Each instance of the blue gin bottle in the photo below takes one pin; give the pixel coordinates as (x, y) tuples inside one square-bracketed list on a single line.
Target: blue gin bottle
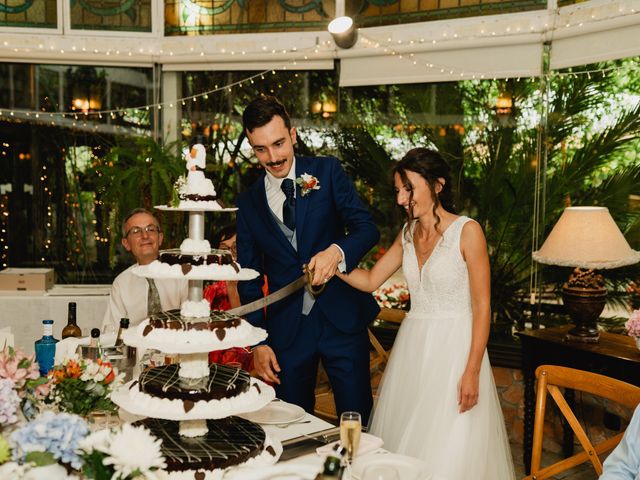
[(46, 348)]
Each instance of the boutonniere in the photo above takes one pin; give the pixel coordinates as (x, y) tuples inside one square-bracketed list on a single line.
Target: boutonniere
[(307, 183)]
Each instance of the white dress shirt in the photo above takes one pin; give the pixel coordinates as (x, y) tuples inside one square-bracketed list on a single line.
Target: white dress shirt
[(129, 295)]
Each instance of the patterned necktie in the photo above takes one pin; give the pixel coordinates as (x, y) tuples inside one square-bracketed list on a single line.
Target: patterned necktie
[(289, 206), (153, 298)]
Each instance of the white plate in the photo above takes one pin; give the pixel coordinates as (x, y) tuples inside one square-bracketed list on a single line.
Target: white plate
[(167, 208), (276, 413), (408, 468)]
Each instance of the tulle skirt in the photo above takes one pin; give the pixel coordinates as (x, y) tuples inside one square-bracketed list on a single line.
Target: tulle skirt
[(417, 409)]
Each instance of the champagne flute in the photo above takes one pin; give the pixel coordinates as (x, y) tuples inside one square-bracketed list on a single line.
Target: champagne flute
[(350, 427)]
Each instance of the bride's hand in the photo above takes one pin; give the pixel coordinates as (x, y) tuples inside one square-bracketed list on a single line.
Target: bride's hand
[(468, 391)]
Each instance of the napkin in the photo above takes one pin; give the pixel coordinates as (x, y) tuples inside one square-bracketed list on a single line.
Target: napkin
[(368, 443), (280, 471), (67, 347)]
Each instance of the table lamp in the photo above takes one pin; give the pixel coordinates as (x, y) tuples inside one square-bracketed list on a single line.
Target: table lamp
[(586, 238)]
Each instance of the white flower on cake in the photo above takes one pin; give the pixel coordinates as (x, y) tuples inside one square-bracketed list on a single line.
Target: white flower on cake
[(134, 450)]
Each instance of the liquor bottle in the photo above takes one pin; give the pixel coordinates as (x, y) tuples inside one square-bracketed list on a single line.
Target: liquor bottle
[(124, 324), (46, 348), (94, 352), (71, 329), (332, 469)]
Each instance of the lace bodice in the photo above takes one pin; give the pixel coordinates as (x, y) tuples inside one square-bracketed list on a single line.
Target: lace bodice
[(442, 287)]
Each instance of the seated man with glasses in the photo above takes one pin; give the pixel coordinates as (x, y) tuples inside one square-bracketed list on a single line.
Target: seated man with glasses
[(136, 297)]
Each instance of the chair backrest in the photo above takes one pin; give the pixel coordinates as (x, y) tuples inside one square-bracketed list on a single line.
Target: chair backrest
[(550, 379)]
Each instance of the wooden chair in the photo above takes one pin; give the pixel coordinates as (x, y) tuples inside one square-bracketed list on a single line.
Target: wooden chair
[(550, 379), (325, 404)]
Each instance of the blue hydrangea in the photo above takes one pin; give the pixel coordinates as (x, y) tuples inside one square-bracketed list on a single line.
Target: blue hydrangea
[(9, 402), (56, 433)]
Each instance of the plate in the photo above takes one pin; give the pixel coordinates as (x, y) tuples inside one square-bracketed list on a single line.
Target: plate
[(276, 413), (408, 468)]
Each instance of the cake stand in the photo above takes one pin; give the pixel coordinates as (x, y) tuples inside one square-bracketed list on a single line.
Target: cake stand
[(193, 343)]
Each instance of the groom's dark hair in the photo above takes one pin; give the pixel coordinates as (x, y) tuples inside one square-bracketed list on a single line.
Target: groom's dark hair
[(260, 112)]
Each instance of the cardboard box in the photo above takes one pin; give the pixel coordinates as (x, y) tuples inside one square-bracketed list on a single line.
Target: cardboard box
[(27, 279)]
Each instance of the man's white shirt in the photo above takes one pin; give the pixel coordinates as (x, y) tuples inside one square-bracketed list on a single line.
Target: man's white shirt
[(129, 295)]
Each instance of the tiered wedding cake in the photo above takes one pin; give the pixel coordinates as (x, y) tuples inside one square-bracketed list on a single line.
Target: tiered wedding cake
[(190, 405)]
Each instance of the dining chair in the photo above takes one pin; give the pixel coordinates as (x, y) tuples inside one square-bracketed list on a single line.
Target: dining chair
[(325, 405), (551, 378)]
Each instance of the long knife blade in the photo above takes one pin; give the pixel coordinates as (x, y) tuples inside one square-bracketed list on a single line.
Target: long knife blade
[(269, 299)]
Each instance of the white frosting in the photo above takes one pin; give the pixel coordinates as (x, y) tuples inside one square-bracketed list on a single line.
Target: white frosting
[(189, 245), (158, 269), (193, 428), (192, 341), (198, 184), (209, 204), (194, 365), (197, 309), (242, 470), (134, 401)]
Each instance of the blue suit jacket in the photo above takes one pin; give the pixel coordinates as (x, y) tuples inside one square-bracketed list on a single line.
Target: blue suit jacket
[(332, 214)]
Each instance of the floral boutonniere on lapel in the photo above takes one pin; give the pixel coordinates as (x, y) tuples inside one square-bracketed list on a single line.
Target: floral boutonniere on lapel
[(307, 183)]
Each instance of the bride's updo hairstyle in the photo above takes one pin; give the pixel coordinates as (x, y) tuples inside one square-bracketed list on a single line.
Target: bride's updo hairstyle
[(430, 165)]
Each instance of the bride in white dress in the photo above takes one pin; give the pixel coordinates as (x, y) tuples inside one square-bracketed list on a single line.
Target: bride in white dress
[(438, 400)]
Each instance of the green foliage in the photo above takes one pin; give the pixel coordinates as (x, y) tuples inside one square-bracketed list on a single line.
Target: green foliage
[(82, 397), (40, 459), (94, 466)]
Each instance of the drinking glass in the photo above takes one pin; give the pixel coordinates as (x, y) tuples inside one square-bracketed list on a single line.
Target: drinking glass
[(350, 427), (380, 472)]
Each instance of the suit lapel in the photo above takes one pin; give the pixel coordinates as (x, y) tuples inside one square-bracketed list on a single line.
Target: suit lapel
[(259, 198), (303, 165)]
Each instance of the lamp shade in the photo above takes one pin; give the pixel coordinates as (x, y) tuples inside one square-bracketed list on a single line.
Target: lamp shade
[(586, 237)]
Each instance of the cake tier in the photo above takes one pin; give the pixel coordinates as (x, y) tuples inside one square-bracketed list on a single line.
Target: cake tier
[(223, 382), (213, 257), (158, 269), (170, 332), (188, 206), (133, 400), (197, 197), (230, 442)]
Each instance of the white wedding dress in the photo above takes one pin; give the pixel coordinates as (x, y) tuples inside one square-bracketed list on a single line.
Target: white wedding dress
[(417, 410)]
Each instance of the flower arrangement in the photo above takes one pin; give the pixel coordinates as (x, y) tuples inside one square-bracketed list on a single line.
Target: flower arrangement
[(125, 453), (178, 187), (394, 296), (9, 402), (307, 183), (633, 324), (21, 374), (50, 438), (82, 385)]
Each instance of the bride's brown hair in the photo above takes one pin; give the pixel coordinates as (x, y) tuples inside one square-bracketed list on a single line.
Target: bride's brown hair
[(430, 165)]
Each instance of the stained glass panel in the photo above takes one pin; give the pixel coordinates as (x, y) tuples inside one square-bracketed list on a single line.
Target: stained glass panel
[(116, 15)]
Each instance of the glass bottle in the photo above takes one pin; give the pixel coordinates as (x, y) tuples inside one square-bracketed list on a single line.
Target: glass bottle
[(46, 348), (124, 324), (71, 329), (332, 469), (95, 348)]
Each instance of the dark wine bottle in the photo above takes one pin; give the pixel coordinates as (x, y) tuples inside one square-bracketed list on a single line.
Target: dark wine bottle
[(71, 329)]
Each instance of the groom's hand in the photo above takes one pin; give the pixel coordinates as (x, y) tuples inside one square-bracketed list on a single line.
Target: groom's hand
[(266, 364), (325, 264)]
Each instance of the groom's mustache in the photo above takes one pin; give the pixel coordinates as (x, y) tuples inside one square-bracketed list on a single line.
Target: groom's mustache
[(276, 164)]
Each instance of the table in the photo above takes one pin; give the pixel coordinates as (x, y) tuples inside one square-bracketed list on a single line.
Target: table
[(24, 311), (614, 355)]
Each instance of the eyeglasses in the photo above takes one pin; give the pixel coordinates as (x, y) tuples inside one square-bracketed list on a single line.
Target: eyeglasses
[(232, 247), (137, 231)]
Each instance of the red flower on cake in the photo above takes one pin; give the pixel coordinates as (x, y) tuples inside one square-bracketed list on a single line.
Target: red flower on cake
[(307, 183)]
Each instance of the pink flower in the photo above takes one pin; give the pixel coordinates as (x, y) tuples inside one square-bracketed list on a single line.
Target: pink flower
[(633, 324)]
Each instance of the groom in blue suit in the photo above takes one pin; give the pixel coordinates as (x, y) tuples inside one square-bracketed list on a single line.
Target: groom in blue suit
[(305, 210)]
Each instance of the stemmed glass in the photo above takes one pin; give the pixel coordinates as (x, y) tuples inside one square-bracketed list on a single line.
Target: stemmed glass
[(350, 428)]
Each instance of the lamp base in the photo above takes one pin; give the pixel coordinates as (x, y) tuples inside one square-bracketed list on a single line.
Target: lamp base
[(584, 306)]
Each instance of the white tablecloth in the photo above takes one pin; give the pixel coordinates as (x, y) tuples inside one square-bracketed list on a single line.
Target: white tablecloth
[(24, 311)]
